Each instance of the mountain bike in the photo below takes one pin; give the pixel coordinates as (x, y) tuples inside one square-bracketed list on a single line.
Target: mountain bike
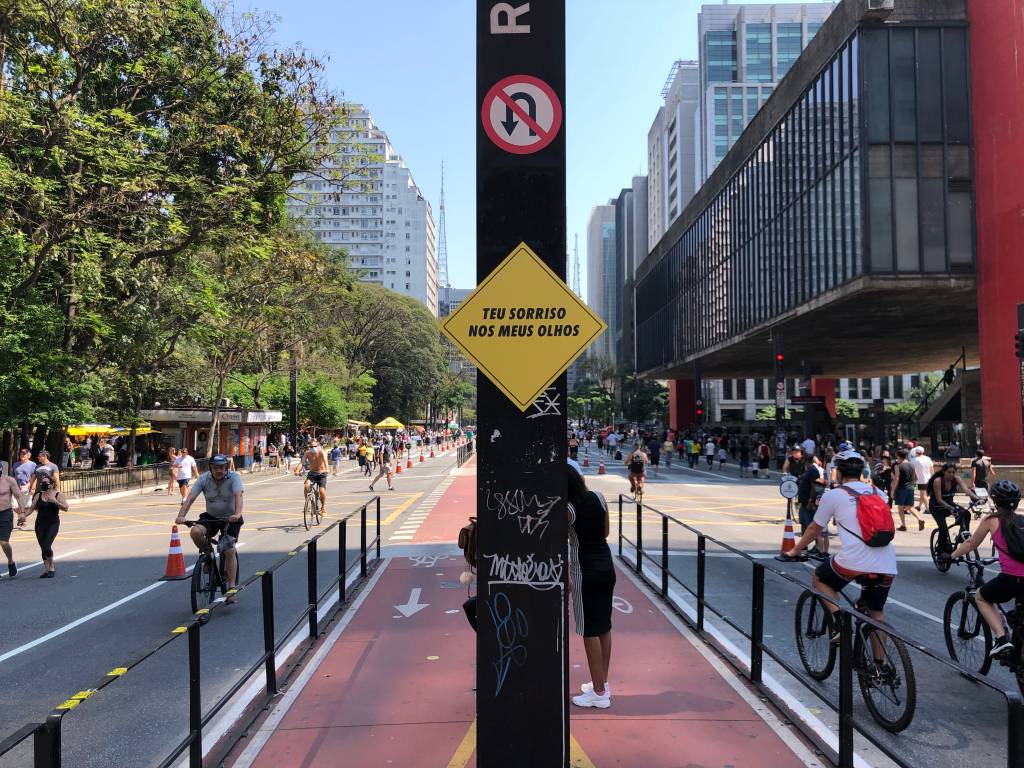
[(888, 687), (210, 571), (312, 513), (968, 635)]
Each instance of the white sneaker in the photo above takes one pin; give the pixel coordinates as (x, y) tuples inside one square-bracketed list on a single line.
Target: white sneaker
[(591, 699), (588, 687)]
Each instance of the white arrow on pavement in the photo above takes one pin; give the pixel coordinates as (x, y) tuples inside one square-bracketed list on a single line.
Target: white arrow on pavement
[(414, 605)]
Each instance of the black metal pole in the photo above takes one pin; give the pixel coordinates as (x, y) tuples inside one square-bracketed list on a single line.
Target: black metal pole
[(639, 539), (702, 546), (314, 624), (293, 398), (267, 589), (757, 624), (342, 560), (195, 699), (664, 557), (845, 690), (620, 525), (378, 527), (362, 541), (1014, 730)]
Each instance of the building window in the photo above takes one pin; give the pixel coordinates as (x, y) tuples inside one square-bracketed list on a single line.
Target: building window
[(728, 392), (897, 387), (883, 388), (865, 389), (788, 44), (759, 389), (720, 55), (759, 52)]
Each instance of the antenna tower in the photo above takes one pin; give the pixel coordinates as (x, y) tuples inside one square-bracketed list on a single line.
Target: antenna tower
[(576, 265), (442, 253)]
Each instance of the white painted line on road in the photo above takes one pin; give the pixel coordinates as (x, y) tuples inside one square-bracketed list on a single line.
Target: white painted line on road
[(259, 739), (40, 562), (78, 622)]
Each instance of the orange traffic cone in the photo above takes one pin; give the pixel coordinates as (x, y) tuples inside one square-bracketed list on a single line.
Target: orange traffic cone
[(788, 537), (408, 461), (586, 460), (175, 559), (600, 467), (421, 454), (431, 451), (398, 468)]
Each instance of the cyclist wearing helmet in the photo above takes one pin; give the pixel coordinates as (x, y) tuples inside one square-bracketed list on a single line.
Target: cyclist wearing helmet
[(874, 568), (223, 492), (942, 488), (636, 464), (1009, 583)]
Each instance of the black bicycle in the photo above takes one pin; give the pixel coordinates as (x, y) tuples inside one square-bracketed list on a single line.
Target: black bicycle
[(312, 512), (888, 686), (210, 571), (968, 635), (962, 522)]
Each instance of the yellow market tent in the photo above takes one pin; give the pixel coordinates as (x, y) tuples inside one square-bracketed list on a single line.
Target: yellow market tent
[(389, 423), (87, 430), (138, 430)]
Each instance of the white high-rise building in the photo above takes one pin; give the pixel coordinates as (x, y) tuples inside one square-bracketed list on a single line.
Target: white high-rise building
[(604, 281), (378, 216)]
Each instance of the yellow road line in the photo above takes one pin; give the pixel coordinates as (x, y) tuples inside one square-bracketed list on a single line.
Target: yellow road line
[(402, 507), (465, 750)]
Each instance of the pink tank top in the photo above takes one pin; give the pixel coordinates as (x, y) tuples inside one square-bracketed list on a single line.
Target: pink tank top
[(1007, 564)]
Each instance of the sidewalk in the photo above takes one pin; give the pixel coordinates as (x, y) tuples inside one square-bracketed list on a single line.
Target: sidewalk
[(393, 685)]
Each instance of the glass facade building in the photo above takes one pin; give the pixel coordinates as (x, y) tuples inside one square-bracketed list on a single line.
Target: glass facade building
[(868, 172)]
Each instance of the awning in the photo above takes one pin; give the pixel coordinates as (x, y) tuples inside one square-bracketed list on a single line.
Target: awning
[(389, 423), (88, 430)]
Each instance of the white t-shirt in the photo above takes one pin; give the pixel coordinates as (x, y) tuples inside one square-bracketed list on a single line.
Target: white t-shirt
[(809, 447), (709, 449), (613, 439), (922, 468), (854, 555), (186, 467)]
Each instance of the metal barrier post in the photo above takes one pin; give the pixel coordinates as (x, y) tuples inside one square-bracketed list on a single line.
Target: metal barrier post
[(639, 539), (41, 748), (378, 527), (664, 557), (757, 625), (195, 699), (620, 525), (51, 747), (342, 558), (1015, 731), (267, 586), (846, 690), (702, 555), (314, 623), (362, 541)]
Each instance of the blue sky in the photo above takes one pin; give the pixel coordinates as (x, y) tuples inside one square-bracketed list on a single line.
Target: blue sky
[(411, 62)]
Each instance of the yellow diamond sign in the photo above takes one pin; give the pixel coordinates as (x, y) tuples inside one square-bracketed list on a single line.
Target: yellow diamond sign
[(522, 326)]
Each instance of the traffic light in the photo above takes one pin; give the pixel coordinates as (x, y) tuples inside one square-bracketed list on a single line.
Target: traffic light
[(780, 359), (1019, 339), (700, 408)]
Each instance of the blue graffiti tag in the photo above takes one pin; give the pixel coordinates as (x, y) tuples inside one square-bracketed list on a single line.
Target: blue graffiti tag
[(509, 626)]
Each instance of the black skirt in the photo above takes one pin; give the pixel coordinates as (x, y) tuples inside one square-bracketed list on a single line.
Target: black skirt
[(596, 592)]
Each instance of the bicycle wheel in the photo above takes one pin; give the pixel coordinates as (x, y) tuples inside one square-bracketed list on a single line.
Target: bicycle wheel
[(942, 566), (204, 583), (814, 626), (968, 635), (307, 513), (888, 687), (318, 512)]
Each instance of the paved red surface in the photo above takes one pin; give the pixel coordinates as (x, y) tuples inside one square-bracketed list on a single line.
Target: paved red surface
[(452, 511), (397, 691)]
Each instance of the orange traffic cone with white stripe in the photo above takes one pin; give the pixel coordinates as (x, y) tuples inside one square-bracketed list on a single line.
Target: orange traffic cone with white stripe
[(421, 454), (788, 537), (398, 467), (408, 461), (600, 467), (586, 459), (175, 558), (431, 451)]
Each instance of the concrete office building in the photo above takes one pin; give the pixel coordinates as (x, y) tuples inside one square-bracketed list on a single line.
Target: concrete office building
[(381, 218), (604, 278), (672, 143), (745, 50)]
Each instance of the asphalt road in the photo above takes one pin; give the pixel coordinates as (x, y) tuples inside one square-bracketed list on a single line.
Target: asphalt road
[(956, 721), (107, 607)]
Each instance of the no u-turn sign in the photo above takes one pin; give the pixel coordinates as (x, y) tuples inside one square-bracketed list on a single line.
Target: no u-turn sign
[(521, 114)]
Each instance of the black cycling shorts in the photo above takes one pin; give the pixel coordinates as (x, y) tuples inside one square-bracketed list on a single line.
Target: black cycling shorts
[(1003, 588), (874, 586), (215, 526), (318, 478)]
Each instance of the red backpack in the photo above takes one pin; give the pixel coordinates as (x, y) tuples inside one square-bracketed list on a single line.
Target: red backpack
[(874, 518)]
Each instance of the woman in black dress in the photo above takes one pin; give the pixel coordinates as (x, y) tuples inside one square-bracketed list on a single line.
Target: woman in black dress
[(592, 577)]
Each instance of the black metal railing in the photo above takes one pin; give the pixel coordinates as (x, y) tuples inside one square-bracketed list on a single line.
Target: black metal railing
[(759, 648), (76, 483), (46, 749), (464, 452)]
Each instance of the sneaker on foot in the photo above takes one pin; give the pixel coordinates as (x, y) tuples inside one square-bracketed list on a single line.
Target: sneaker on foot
[(12, 569), (588, 687), (1001, 646), (592, 699), (902, 528), (920, 525)]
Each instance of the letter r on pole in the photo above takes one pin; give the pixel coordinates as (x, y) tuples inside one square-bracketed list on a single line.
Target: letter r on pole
[(511, 25)]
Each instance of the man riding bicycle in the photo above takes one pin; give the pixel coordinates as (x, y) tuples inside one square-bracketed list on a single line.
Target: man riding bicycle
[(1009, 583), (223, 514), (316, 460), (636, 463), (873, 567)]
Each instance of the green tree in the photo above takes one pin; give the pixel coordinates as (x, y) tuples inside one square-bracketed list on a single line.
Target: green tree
[(644, 400), (590, 401), (847, 410), (768, 414)]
